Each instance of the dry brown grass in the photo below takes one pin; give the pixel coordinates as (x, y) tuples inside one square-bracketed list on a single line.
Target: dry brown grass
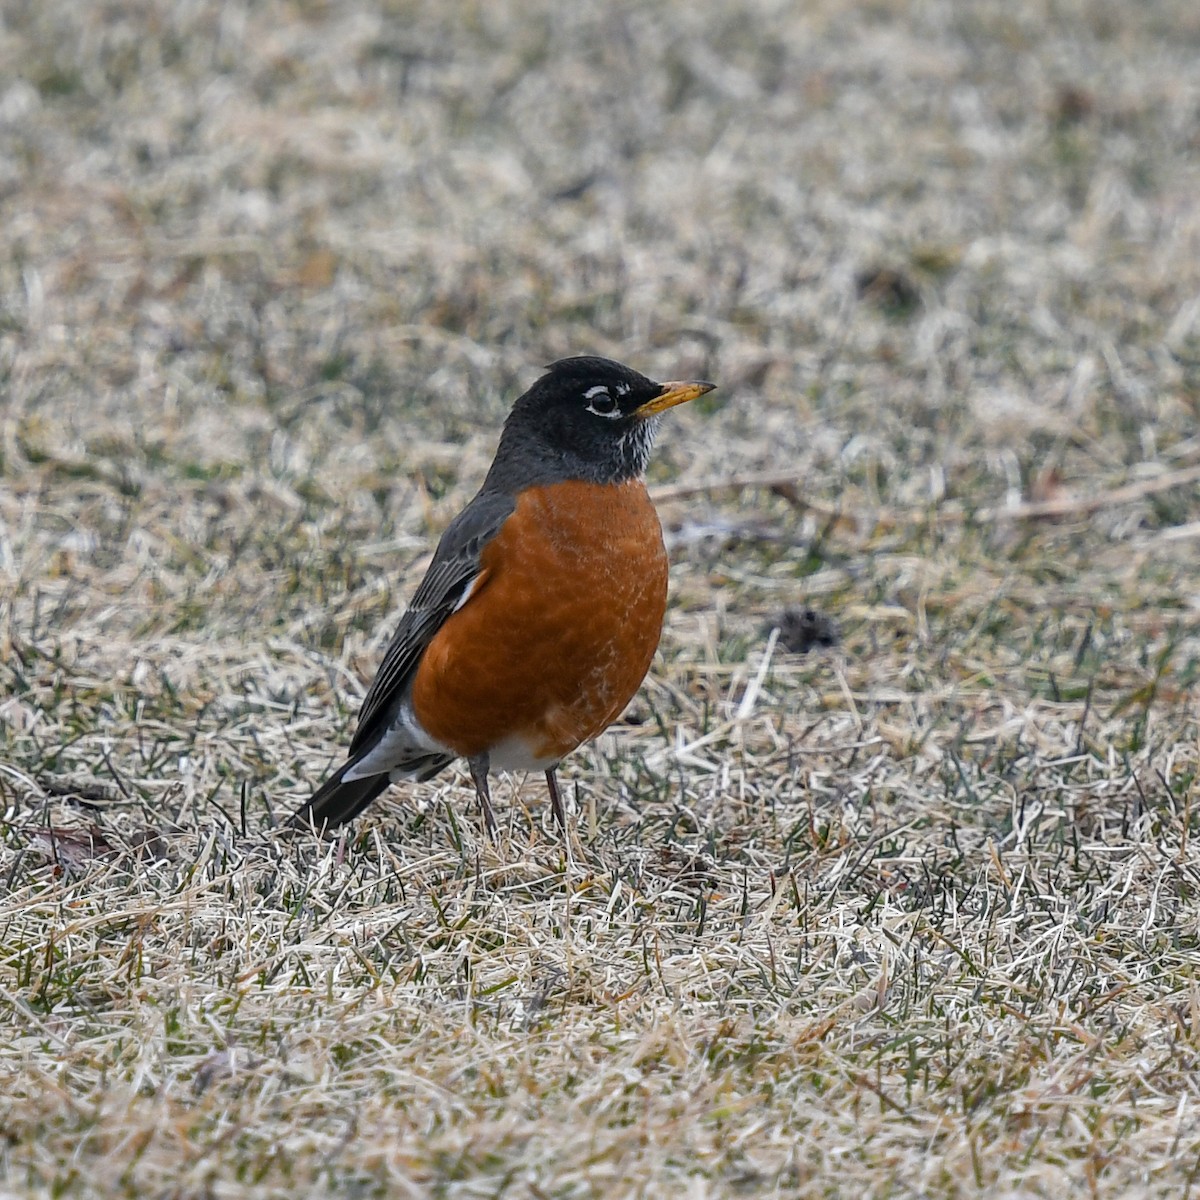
[(915, 917)]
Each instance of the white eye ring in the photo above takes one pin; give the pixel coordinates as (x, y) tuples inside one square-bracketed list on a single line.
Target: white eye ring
[(601, 403)]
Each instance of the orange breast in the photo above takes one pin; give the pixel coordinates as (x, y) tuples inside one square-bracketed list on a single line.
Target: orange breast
[(560, 630)]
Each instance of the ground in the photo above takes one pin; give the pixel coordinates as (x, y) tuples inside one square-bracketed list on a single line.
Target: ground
[(914, 915)]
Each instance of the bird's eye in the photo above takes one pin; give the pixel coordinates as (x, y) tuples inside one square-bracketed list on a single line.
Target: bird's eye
[(600, 401)]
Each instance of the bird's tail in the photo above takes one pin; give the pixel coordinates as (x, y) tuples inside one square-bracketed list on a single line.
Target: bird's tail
[(338, 800)]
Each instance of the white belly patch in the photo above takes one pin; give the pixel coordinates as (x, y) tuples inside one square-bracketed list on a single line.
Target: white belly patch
[(515, 754), (406, 742), (402, 743)]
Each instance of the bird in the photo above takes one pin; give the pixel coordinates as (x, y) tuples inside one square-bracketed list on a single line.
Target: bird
[(541, 609)]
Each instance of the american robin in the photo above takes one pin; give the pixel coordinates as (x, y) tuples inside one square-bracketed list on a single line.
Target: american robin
[(538, 617)]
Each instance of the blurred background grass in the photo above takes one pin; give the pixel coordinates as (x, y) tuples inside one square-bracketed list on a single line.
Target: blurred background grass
[(270, 276)]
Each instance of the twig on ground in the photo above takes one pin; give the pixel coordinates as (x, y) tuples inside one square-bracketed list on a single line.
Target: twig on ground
[(889, 519)]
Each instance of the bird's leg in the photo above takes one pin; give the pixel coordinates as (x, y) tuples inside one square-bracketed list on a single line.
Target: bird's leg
[(556, 804), (479, 777)]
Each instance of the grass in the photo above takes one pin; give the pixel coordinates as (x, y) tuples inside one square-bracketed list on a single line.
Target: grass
[(912, 916)]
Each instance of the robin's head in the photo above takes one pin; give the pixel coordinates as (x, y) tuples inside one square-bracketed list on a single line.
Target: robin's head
[(586, 418)]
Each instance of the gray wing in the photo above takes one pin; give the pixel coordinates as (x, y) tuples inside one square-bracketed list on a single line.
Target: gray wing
[(453, 569)]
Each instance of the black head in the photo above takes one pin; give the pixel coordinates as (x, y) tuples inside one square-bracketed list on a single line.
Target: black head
[(586, 418)]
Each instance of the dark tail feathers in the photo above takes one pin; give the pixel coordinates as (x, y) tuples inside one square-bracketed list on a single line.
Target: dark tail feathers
[(337, 801)]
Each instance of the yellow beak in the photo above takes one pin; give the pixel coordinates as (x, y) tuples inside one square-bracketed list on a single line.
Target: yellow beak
[(673, 393)]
